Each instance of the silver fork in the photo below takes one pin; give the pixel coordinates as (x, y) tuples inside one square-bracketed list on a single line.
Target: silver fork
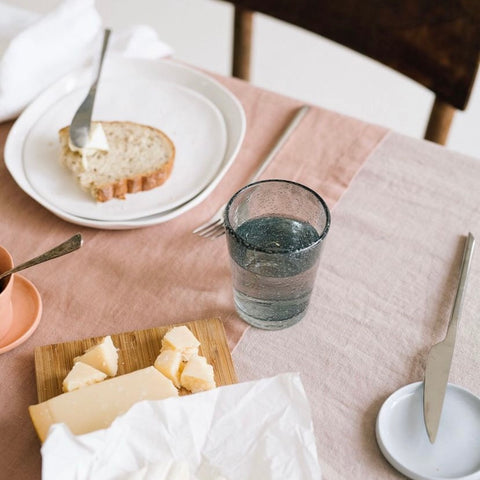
[(214, 227)]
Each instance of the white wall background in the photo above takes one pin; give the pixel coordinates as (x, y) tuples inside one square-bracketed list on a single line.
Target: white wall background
[(290, 61)]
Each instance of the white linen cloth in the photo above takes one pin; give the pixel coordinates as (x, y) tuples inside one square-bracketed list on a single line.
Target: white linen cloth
[(36, 50), (248, 431)]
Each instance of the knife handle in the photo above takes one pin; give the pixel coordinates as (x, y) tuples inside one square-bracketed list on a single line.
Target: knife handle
[(106, 37), (462, 284)]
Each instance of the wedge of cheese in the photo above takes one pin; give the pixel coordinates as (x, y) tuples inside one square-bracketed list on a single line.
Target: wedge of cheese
[(96, 406), (80, 376), (197, 375), (169, 362), (182, 340), (103, 357)]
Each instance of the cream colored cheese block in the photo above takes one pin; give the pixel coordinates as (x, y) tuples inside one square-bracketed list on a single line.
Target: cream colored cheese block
[(197, 376), (96, 406), (103, 357), (80, 376), (169, 362), (181, 339)]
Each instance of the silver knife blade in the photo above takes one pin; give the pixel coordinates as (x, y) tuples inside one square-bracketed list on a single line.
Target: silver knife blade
[(439, 359), (80, 126)]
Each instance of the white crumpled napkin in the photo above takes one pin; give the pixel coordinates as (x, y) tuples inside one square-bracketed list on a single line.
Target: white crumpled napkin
[(249, 431), (36, 50)]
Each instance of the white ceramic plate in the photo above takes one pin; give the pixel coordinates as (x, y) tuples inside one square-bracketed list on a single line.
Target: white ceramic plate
[(403, 439), (205, 121)]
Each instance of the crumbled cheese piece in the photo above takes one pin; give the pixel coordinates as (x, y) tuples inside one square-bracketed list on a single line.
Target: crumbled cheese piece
[(169, 362), (181, 339), (80, 376), (197, 376), (103, 357)]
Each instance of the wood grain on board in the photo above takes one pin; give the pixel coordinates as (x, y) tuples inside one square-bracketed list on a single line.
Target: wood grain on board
[(136, 349)]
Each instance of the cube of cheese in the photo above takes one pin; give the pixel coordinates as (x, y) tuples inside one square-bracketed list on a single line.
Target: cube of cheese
[(103, 357), (96, 406), (181, 339), (197, 376), (169, 362), (82, 375)]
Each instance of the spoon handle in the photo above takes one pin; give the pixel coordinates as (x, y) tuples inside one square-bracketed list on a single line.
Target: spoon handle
[(66, 247)]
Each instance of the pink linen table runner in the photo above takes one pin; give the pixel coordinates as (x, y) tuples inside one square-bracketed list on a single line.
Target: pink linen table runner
[(126, 280)]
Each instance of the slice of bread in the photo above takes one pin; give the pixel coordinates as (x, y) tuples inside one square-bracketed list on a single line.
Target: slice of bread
[(139, 158)]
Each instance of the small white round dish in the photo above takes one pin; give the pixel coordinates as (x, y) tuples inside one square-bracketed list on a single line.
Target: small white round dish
[(403, 439), (163, 83)]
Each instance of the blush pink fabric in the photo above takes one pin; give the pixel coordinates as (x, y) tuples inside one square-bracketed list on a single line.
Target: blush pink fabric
[(126, 280)]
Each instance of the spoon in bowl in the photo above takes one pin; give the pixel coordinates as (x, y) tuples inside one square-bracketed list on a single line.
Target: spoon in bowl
[(68, 246)]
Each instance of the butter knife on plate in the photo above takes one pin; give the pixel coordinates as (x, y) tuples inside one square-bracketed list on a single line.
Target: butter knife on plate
[(439, 359), (80, 126)]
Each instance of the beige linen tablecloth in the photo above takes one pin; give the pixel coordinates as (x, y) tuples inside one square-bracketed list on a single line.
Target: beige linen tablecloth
[(384, 294), (126, 280)]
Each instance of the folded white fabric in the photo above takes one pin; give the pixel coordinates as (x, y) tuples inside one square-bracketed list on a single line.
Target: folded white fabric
[(36, 50), (248, 431)]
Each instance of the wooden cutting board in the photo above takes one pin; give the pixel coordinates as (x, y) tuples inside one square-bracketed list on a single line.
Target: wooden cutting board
[(137, 349)]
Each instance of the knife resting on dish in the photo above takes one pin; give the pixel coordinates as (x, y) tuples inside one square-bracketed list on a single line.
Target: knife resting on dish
[(439, 359)]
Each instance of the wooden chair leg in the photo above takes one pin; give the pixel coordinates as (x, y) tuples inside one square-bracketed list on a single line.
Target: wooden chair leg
[(242, 43), (439, 123)]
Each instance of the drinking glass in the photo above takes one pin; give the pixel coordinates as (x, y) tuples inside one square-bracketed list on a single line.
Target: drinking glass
[(275, 232)]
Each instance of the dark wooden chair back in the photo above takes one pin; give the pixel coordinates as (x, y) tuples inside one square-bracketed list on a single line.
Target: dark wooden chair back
[(434, 42)]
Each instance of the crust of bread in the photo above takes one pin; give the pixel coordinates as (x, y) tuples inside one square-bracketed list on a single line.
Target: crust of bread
[(136, 184), (131, 184)]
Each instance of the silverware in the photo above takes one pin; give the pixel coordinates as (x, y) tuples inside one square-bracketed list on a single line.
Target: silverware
[(80, 126), (214, 228), (440, 356), (68, 246)]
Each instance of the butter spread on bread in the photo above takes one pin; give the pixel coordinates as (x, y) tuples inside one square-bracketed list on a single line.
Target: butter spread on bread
[(97, 142)]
